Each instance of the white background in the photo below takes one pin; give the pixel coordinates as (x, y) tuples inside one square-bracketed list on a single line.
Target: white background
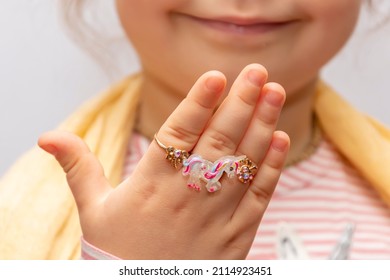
[(44, 76), (148, 269)]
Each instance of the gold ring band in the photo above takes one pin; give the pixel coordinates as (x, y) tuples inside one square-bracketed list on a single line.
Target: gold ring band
[(173, 155)]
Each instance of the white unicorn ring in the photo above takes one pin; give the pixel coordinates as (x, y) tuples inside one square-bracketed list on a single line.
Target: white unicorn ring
[(202, 171)]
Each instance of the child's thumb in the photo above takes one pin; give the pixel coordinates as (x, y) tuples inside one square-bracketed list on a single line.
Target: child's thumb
[(83, 171)]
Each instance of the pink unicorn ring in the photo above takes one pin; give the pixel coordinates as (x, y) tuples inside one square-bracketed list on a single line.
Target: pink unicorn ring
[(173, 155)]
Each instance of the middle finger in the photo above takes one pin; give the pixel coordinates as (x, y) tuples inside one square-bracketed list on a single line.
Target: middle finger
[(230, 122)]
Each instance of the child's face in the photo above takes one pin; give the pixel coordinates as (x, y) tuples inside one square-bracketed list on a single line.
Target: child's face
[(178, 40)]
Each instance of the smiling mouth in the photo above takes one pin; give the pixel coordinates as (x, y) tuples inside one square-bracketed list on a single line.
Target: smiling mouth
[(239, 26)]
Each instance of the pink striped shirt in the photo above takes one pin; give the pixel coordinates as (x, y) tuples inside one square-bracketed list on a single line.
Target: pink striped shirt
[(317, 198)]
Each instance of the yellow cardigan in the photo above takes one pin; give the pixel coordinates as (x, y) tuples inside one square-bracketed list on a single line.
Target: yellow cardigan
[(38, 217)]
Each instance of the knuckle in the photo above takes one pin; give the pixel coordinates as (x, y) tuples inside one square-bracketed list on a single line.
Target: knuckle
[(268, 118), (247, 99), (182, 136), (220, 141), (203, 104), (78, 164), (277, 164), (72, 164), (262, 195)]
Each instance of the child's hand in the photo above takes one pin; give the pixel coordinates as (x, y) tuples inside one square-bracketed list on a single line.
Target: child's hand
[(153, 214)]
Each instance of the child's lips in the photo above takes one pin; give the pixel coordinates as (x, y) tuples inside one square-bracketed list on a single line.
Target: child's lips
[(241, 26)]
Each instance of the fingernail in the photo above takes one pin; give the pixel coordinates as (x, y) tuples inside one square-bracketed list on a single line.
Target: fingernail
[(255, 77), (50, 149), (214, 84), (279, 145), (274, 98)]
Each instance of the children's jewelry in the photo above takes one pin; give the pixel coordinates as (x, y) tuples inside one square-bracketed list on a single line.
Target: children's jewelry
[(201, 170), (173, 155), (246, 170), (195, 167)]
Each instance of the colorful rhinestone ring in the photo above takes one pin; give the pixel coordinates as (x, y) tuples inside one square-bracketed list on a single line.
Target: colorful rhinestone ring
[(246, 170), (173, 155)]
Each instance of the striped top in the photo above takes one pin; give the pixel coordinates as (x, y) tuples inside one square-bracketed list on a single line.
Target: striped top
[(319, 197), (314, 202)]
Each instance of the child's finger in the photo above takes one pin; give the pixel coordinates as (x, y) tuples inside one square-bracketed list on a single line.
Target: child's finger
[(256, 141), (255, 201), (257, 138), (233, 117), (83, 171), (185, 125), (181, 131)]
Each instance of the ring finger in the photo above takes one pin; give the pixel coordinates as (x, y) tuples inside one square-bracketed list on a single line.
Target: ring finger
[(258, 136)]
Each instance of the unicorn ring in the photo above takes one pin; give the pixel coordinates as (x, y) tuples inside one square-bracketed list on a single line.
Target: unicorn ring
[(173, 155), (204, 172)]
